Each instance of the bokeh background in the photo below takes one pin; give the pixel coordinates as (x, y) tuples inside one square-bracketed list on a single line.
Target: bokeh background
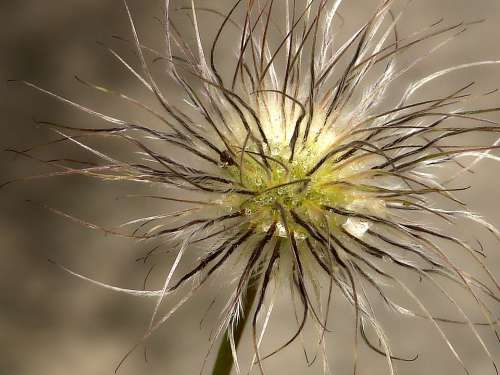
[(54, 324)]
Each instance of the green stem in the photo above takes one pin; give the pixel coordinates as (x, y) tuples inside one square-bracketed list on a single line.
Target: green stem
[(224, 362)]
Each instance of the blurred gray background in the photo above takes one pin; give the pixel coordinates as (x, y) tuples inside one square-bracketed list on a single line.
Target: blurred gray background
[(54, 324)]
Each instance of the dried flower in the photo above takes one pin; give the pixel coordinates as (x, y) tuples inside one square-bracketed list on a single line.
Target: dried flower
[(296, 171)]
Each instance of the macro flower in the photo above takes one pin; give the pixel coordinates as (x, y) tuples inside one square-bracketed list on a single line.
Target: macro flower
[(298, 176)]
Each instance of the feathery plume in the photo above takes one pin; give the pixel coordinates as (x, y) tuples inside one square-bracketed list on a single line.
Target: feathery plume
[(296, 170)]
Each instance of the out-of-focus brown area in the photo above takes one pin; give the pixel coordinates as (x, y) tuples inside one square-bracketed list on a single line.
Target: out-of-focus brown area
[(52, 323)]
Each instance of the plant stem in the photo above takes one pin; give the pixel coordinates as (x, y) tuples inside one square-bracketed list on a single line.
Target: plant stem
[(224, 362)]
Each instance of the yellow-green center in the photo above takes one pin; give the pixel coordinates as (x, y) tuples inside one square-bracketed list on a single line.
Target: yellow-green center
[(285, 186)]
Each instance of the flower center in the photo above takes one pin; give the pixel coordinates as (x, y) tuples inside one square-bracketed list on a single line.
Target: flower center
[(283, 188)]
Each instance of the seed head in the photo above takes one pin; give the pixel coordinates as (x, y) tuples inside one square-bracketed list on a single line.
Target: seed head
[(296, 170)]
